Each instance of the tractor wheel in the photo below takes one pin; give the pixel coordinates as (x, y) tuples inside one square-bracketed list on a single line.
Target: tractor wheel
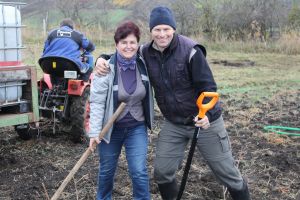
[(26, 132), (80, 116)]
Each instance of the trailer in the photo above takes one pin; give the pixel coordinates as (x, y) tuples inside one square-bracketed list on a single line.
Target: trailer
[(18, 82)]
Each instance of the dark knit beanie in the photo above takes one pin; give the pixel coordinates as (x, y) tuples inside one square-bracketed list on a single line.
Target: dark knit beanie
[(161, 15)]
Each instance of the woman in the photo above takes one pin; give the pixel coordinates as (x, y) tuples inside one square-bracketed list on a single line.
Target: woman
[(126, 82)]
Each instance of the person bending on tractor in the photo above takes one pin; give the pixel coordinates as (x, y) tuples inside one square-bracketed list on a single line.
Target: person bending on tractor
[(67, 43)]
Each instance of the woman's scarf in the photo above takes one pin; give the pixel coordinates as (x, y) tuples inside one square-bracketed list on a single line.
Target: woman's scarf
[(125, 63)]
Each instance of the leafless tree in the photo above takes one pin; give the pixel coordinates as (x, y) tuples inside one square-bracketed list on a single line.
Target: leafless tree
[(188, 16), (294, 17), (73, 8), (235, 17), (140, 14), (101, 18)]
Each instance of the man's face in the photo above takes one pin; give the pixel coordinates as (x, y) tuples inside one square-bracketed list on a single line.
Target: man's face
[(162, 35)]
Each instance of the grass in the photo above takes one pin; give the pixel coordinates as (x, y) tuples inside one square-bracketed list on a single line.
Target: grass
[(272, 72), (288, 43), (114, 16)]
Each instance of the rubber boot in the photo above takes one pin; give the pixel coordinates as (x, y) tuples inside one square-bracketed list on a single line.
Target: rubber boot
[(240, 194), (168, 191)]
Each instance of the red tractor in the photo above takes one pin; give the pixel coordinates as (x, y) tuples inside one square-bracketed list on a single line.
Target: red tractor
[(63, 98)]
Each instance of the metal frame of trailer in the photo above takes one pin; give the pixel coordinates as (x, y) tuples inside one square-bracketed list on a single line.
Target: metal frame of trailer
[(18, 82), (27, 75)]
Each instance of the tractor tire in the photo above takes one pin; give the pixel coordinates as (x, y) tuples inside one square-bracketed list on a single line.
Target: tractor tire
[(25, 132), (80, 116)]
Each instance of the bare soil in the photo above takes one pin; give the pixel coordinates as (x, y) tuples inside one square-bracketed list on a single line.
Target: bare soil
[(270, 162), (240, 63)]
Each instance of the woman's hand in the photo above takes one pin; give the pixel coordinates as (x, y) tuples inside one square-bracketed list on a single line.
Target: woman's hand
[(92, 141), (101, 67), (202, 123)]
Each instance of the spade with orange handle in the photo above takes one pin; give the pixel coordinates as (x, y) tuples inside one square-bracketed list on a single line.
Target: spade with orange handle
[(203, 108)]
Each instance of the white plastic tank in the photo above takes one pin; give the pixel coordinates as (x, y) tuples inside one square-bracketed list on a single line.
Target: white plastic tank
[(10, 92), (10, 53), (10, 32)]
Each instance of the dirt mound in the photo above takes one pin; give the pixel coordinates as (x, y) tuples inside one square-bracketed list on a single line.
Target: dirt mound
[(270, 162), (240, 63)]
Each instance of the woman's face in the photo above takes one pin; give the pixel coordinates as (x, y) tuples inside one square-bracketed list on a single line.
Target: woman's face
[(128, 46)]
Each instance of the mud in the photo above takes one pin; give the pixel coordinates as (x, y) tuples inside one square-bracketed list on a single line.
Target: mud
[(270, 162), (240, 63)]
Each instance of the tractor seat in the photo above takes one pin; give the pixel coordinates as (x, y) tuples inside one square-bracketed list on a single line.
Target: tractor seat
[(54, 65)]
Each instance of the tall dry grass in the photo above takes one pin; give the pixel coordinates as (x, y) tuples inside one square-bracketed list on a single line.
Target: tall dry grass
[(289, 43)]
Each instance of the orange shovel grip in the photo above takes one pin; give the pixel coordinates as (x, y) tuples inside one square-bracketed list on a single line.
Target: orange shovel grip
[(203, 108)]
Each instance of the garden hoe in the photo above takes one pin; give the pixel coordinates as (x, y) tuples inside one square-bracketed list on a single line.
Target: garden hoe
[(203, 108), (87, 152)]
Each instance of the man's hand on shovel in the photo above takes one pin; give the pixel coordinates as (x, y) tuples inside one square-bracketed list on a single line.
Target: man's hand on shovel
[(202, 123)]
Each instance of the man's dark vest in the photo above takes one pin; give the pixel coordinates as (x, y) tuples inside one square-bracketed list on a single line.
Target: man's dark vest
[(171, 79), (74, 35)]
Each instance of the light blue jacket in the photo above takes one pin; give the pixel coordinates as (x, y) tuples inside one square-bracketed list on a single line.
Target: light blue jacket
[(104, 98)]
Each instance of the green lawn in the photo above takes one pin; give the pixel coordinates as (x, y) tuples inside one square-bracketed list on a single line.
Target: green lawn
[(271, 73)]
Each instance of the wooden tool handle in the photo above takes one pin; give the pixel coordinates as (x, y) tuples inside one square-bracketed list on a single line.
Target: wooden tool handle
[(86, 154)]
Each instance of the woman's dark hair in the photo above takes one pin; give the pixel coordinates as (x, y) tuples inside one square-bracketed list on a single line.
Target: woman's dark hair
[(126, 29)]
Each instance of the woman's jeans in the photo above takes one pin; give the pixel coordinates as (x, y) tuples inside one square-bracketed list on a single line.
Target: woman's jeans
[(135, 140)]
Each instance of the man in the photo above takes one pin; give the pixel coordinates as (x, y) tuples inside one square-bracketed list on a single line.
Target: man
[(179, 73), (66, 42)]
